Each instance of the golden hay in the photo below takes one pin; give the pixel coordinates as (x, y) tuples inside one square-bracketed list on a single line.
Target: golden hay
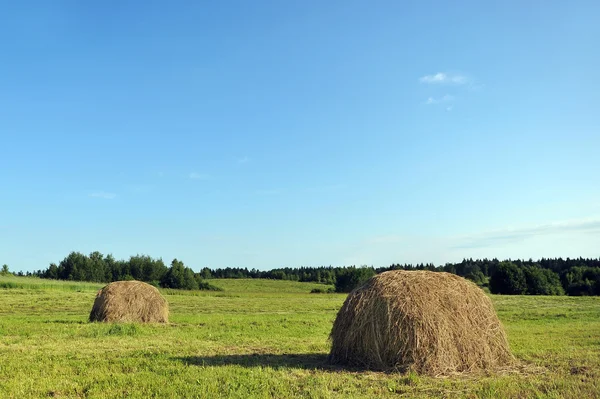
[(427, 322), (130, 301)]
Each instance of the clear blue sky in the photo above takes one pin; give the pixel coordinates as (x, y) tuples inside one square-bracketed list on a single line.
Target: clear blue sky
[(287, 133)]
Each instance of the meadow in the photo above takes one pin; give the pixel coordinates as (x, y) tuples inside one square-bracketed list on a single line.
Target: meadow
[(264, 339)]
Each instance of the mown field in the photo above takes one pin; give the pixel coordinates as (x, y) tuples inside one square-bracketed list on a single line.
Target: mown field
[(263, 339)]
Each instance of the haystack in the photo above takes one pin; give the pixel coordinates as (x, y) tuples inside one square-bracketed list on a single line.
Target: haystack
[(427, 322), (130, 301)]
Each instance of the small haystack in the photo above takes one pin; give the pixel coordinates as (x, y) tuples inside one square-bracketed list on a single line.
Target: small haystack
[(130, 301), (427, 322)]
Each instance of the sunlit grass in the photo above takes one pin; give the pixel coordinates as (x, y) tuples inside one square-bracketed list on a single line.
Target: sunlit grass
[(263, 339), (35, 283)]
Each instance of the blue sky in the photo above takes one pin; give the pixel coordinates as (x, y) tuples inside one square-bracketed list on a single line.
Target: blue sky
[(268, 133)]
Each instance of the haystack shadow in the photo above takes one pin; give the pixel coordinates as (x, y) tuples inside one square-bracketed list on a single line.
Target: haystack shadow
[(309, 361)]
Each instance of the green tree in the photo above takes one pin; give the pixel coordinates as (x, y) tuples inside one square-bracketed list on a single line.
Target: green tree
[(5, 270), (542, 281), (109, 266), (97, 268), (582, 280), (205, 273), (175, 276), (52, 272), (74, 267), (476, 276), (508, 279), (189, 280), (136, 267), (144, 268), (352, 277)]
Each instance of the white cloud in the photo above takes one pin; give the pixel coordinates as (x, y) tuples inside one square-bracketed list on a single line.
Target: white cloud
[(199, 176), (575, 237), (103, 195), (512, 235), (445, 99), (437, 78), (442, 77)]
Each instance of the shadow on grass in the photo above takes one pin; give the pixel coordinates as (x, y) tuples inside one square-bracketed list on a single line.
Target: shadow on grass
[(66, 322), (309, 361)]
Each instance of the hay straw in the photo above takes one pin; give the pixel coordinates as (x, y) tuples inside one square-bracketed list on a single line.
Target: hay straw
[(427, 322), (130, 301)]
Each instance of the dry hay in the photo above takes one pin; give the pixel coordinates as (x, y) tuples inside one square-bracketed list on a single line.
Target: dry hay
[(427, 322), (130, 301)]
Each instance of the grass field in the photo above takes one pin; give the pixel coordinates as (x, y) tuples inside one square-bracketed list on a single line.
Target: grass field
[(264, 339)]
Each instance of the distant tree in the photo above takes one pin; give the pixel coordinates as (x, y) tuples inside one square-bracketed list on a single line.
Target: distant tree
[(508, 279), (79, 272), (136, 267), (109, 268), (542, 281), (278, 275), (175, 276), (578, 276), (74, 267), (4, 270), (352, 277), (582, 280), (52, 272), (205, 273), (476, 276), (144, 268), (96, 270), (189, 280)]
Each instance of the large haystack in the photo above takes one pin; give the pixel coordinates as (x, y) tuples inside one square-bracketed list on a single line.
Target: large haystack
[(130, 301), (428, 322)]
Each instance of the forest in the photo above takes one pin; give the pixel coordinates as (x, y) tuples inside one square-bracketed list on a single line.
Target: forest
[(546, 276)]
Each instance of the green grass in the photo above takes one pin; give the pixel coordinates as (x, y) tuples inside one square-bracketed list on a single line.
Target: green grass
[(35, 283), (264, 339), (265, 286)]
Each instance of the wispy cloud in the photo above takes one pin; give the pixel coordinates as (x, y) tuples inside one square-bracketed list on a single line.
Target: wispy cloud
[(103, 195), (445, 99), (506, 236), (243, 160), (437, 78), (442, 77), (199, 176)]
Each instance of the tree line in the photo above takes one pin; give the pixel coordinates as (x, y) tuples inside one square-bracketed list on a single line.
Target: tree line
[(99, 268), (546, 276)]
